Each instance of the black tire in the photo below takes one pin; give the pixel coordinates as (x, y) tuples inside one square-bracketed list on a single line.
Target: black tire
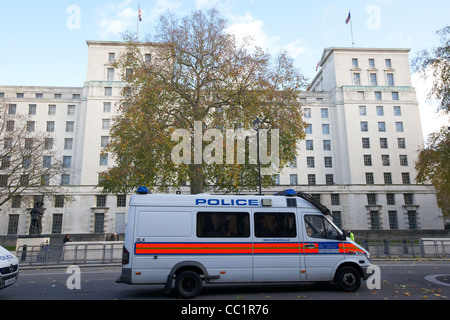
[(188, 284), (348, 279)]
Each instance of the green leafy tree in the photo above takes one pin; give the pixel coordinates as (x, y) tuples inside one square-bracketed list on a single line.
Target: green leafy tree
[(200, 78)]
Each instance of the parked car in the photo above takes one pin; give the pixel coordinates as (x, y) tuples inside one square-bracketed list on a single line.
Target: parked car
[(9, 268)]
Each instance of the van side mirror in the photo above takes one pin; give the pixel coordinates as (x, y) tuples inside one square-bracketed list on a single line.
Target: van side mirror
[(342, 236)]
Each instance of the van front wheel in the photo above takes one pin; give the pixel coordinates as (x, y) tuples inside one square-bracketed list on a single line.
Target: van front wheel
[(188, 284), (348, 279)]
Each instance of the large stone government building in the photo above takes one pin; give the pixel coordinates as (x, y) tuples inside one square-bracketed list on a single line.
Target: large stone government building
[(358, 157)]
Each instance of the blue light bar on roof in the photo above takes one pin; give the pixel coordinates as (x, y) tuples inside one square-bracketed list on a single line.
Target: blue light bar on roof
[(142, 190), (287, 192)]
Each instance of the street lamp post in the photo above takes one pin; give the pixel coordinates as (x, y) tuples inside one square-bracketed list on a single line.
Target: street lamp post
[(257, 125)]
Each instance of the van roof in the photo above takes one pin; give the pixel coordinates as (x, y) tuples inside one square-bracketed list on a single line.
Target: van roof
[(209, 200)]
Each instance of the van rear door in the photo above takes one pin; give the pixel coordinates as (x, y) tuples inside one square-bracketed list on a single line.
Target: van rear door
[(276, 247)]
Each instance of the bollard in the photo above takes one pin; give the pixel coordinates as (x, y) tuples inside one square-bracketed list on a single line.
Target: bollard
[(24, 253)]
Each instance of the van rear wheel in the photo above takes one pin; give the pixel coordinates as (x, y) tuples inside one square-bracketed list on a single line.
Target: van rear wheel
[(188, 284), (348, 279)]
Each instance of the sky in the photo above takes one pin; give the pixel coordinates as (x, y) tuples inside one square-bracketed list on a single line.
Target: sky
[(43, 43)]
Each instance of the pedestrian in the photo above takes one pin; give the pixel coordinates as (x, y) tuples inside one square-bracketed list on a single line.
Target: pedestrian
[(67, 239), (351, 235)]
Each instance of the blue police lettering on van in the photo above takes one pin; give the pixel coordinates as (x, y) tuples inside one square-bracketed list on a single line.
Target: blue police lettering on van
[(226, 202)]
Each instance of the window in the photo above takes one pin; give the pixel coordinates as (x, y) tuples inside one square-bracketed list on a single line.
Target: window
[(148, 57), (101, 200), (50, 126), (403, 159), (71, 110), (311, 179), (30, 126), (380, 111), (360, 95), (390, 199), (47, 161), (329, 179), (110, 74), (324, 113), (388, 63), (408, 198), (48, 144), (57, 223), (328, 162), (364, 126), (381, 126), (106, 124), (99, 222), (67, 161), (20, 95), (307, 112), (369, 178), (390, 79), (308, 128), (69, 126), (393, 220), (51, 109), (367, 159), (13, 224), (309, 145), (223, 225), (366, 143), (399, 126), (6, 162), (355, 63), (320, 227), (32, 109), (76, 96), (395, 96), (12, 109), (121, 200), (106, 107), (3, 180), (104, 141), (310, 162), (401, 143), (373, 79), (293, 179), (16, 201), (104, 159), (108, 91), (325, 128), (377, 95), (68, 142), (326, 145), (39, 95), (10, 125), (374, 220), (293, 164), (372, 63), (65, 179), (383, 143), (362, 111), (275, 225), (335, 199), (58, 96), (29, 143), (385, 160), (387, 177), (405, 178), (397, 111), (356, 79), (412, 219), (111, 56), (59, 201), (371, 199)]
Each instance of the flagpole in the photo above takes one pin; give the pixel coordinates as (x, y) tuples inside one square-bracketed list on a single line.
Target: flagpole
[(137, 23), (351, 28)]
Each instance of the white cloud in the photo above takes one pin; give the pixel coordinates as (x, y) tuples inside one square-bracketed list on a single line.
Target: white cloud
[(431, 120), (248, 26), (116, 18)]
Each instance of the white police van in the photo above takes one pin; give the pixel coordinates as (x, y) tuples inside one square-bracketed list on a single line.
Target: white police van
[(188, 239), (9, 268)]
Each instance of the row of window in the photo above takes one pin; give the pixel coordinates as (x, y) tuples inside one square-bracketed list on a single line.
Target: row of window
[(32, 108), (371, 62), (21, 95), (31, 126), (387, 178), (373, 79), (364, 125), (385, 160), (375, 220)]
